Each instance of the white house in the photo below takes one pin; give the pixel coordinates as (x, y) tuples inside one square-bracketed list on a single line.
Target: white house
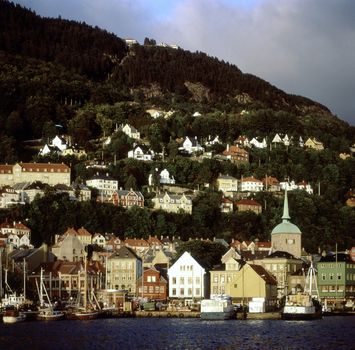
[(141, 152), (277, 139), (173, 203), (251, 184), (210, 142), (288, 185), (104, 183), (258, 144), (131, 131), (187, 278), (304, 185), (99, 240), (165, 177), (191, 145)]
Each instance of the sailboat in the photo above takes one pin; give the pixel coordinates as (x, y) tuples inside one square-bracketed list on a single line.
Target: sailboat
[(306, 305), (46, 311), (11, 298), (87, 311)]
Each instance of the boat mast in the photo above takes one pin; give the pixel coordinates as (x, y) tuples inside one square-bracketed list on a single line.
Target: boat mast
[(41, 290), (24, 278), (85, 280)]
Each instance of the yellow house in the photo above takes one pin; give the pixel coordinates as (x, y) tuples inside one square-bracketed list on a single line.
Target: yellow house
[(227, 184), (315, 144), (253, 281)]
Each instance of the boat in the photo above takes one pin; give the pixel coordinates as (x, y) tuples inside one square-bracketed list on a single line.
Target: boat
[(11, 299), (12, 315), (88, 311), (46, 312), (304, 305), (218, 308)]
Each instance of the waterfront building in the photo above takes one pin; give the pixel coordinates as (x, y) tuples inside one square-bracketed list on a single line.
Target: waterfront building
[(280, 264), (336, 278), (123, 269), (187, 279), (69, 248), (153, 285)]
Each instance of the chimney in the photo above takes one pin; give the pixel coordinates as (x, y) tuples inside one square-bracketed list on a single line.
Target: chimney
[(227, 147)]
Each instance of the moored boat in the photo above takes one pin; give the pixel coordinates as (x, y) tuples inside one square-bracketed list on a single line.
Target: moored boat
[(304, 305), (48, 314), (217, 309), (12, 315)]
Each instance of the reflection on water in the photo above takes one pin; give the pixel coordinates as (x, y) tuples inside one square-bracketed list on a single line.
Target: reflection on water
[(328, 333)]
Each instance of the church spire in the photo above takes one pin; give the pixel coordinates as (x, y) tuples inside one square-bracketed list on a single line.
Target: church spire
[(285, 216)]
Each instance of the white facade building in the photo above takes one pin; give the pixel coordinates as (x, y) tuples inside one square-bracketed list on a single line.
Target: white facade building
[(105, 184), (187, 278), (251, 184)]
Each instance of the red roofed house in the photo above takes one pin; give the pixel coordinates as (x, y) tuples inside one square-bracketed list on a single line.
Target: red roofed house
[(236, 155), (249, 205), (271, 184), (226, 205), (137, 244)]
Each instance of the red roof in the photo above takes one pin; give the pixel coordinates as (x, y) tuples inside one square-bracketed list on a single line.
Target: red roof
[(248, 202), (250, 179)]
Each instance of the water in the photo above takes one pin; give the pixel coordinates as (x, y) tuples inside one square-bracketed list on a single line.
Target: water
[(157, 333)]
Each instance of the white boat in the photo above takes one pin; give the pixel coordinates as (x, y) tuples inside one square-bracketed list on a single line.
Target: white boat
[(303, 305), (217, 309), (12, 315), (11, 298), (46, 311)]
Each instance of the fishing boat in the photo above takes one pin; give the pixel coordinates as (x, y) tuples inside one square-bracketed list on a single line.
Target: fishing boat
[(46, 312), (11, 298), (219, 308), (12, 315), (304, 305)]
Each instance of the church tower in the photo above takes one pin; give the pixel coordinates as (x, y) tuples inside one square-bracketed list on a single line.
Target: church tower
[(286, 236)]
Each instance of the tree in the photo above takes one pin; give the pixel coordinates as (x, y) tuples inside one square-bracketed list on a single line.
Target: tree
[(206, 253)]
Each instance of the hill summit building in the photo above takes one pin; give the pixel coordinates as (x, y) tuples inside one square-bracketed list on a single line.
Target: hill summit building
[(286, 236)]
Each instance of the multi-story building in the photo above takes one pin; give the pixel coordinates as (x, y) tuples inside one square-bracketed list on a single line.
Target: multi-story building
[(127, 198), (227, 184), (123, 269), (250, 184), (104, 183), (249, 205), (48, 173), (173, 203), (187, 279), (236, 155), (336, 278), (153, 286)]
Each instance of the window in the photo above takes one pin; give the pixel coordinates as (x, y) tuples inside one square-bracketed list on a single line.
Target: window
[(197, 291), (174, 291), (189, 292), (215, 278), (323, 276), (331, 276), (182, 291), (182, 280), (339, 276), (189, 280), (174, 280), (198, 280)]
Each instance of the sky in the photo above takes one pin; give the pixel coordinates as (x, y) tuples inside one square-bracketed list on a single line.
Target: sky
[(304, 47)]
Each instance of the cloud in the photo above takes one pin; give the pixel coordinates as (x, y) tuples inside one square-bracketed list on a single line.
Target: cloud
[(305, 47)]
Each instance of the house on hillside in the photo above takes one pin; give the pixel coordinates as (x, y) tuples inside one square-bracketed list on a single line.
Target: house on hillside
[(141, 152), (105, 184), (236, 155), (249, 205), (250, 184), (227, 184), (191, 145), (127, 198), (131, 131), (314, 144), (173, 203)]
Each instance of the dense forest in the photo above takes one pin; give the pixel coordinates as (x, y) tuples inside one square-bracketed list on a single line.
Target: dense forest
[(63, 77)]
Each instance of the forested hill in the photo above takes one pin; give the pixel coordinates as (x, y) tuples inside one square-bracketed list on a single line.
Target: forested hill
[(96, 54)]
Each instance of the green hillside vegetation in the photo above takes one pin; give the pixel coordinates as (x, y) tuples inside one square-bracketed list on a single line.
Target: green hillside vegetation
[(59, 72)]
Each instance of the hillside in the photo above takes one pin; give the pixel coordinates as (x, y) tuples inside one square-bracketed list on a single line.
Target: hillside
[(63, 77)]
